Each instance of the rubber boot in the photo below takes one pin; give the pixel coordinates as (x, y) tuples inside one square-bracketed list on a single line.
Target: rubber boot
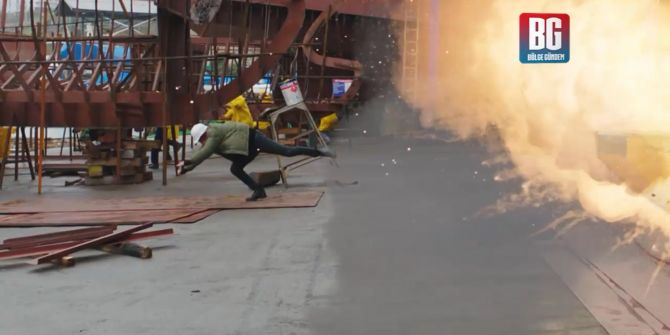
[(328, 153), (258, 194)]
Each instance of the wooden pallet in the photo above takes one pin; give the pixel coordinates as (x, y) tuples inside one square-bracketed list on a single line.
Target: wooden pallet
[(104, 168)]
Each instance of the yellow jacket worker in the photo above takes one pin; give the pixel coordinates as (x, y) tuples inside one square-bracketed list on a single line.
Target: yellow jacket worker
[(238, 111), (328, 122)]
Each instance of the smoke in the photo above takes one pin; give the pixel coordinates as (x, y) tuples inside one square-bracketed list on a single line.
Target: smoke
[(549, 115)]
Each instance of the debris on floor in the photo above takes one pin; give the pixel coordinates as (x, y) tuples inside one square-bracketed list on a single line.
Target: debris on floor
[(110, 217), (132, 211), (63, 204), (57, 247)]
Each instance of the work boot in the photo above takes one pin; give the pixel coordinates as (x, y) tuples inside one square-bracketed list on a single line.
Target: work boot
[(258, 194), (327, 152)]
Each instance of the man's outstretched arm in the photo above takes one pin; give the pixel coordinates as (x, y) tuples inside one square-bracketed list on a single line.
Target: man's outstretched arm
[(208, 149)]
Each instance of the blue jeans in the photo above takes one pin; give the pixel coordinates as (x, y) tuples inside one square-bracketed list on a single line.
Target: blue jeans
[(154, 152)]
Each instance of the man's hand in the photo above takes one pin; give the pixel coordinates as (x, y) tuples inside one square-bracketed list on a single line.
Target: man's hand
[(180, 168)]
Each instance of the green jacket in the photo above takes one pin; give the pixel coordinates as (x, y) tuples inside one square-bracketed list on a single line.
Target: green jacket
[(227, 138)]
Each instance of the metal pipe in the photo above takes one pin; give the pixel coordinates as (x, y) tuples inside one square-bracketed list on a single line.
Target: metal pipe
[(16, 154), (195, 57), (26, 149), (3, 157), (43, 83), (325, 51), (164, 139), (3, 15), (22, 14)]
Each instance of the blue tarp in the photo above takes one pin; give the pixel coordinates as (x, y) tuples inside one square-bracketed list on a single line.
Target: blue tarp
[(91, 51), (117, 53)]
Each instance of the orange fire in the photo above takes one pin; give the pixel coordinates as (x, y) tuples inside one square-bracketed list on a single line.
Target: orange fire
[(593, 130)]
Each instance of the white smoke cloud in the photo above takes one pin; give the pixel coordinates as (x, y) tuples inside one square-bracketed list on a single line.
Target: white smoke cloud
[(549, 115)]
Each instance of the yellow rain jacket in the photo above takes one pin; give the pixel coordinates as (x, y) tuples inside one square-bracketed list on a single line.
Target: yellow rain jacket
[(4, 134), (238, 111), (169, 132), (328, 122)]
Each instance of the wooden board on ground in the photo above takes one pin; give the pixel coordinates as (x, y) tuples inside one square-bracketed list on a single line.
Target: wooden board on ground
[(197, 216), (45, 249), (61, 204), (95, 218), (113, 237)]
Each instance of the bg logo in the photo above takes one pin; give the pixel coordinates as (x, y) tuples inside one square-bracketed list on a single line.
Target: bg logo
[(544, 38)]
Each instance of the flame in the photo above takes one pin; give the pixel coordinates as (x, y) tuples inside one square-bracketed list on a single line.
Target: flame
[(549, 115)]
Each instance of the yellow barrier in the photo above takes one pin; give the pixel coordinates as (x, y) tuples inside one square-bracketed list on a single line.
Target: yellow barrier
[(4, 140)]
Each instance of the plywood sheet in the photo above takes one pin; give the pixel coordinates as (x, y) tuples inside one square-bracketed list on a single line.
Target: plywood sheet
[(196, 216), (94, 218), (53, 204)]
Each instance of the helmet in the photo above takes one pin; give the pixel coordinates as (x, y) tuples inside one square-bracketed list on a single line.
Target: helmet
[(197, 131)]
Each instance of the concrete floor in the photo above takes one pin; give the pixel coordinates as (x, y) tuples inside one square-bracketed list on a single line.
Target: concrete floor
[(415, 259), (400, 252)]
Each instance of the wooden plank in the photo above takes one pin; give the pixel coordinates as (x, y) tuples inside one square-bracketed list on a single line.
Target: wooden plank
[(197, 216), (45, 249), (129, 249), (52, 238), (50, 235), (95, 218), (64, 204), (113, 237), (135, 145), (132, 162), (63, 168)]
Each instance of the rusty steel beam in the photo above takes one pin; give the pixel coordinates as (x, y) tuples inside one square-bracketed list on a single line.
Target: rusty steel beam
[(113, 103), (3, 15), (282, 42), (51, 238), (371, 8), (45, 249), (113, 39), (327, 61), (105, 239)]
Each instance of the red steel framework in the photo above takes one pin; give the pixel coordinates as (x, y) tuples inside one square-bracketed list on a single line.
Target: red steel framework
[(158, 81), (43, 89)]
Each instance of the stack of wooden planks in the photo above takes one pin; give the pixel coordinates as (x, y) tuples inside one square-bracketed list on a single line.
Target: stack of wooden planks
[(58, 247), (104, 167)]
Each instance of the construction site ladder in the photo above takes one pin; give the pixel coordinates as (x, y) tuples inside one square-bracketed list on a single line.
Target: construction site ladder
[(410, 50)]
